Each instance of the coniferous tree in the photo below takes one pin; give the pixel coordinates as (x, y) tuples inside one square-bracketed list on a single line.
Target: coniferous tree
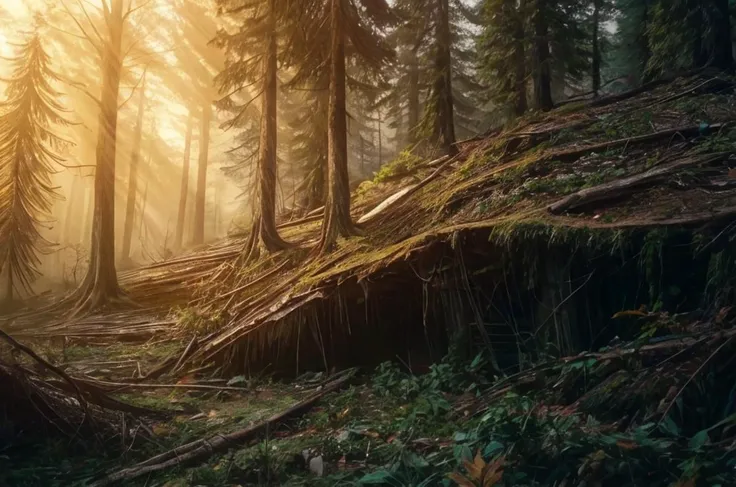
[(631, 47), (254, 55), (28, 150), (502, 54), (541, 63), (340, 39), (133, 176), (184, 185), (686, 34), (435, 74)]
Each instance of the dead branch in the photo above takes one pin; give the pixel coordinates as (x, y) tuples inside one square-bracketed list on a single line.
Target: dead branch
[(620, 187), (200, 450), (45, 364)]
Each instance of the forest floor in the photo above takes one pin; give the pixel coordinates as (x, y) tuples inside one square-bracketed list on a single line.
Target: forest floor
[(649, 412), (544, 241)]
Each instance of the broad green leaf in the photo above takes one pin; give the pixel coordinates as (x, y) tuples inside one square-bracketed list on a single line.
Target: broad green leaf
[(697, 441)]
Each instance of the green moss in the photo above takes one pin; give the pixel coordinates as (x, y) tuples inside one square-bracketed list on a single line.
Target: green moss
[(404, 163)]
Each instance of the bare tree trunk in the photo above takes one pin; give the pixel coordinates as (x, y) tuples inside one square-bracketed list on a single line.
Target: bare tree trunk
[(520, 58), (380, 142), (184, 188), (596, 61), (264, 221), (100, 286), (133, 176), (542, 68), (413, 97), (337, 220), (444, 131), (204, 143)]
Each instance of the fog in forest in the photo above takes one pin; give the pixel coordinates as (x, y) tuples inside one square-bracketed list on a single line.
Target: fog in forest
[(179, 154)]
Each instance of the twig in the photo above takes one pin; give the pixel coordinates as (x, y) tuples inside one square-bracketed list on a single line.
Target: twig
[(695, 374)]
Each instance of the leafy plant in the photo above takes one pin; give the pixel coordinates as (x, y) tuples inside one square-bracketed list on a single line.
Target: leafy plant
[(480, 473)]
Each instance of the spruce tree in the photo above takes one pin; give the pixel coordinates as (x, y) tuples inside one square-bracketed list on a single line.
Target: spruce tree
[(29, 148), (632, 50), (686, 34), (356, 28), (254, 52), (502, 55)]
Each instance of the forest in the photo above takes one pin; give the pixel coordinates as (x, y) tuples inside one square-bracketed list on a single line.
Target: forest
[(412, 243)]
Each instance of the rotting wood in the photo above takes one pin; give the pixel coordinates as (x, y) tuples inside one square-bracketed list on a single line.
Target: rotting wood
[(200, 450)]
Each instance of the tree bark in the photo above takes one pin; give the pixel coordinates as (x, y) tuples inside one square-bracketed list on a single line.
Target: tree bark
[(596, 61), (380, 141), (264, 221), (542, 73), (133, 176), (100, 286), (444, 130), (201, 198), (520, 105), (337, 220), (184, 187)]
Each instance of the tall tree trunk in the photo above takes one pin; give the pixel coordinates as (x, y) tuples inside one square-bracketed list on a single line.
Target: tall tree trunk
[(264, 220), (542, 68), (722, 45), (133, 176), (100, 285), (201, 198), (520, 105), (643, 51), (184, 186), (337, 220), (413, 97), (444, 130), (380, 142), (696, 24), (596, 61)]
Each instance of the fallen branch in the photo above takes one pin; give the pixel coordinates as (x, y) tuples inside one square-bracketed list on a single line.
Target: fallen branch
[(573, 154), (402, 195), (45, 364), (202, 449), (619, 187)]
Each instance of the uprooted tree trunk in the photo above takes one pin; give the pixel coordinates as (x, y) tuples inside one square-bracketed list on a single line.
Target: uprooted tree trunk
[(337, 220), (264, 233)]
